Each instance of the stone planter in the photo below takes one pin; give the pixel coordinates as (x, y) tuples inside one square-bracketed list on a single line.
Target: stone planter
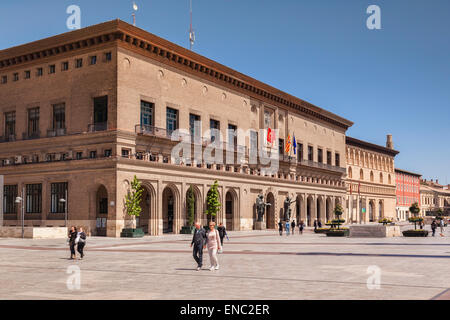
[(132, 233), (338, 233), (187, 230), (321, 230), (415, 233)]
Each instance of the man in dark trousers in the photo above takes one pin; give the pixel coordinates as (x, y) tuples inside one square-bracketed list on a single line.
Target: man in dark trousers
[(293, 226), (199, 243)]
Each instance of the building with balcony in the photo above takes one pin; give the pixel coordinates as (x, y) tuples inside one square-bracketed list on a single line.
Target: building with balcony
[(82, 113), (434, 196), (370, 181), (407, 192)]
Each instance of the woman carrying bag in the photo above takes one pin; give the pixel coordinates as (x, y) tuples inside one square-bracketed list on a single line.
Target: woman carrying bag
[(213, 245)]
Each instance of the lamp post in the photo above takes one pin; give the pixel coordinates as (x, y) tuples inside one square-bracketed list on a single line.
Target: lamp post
[(64, 201), (19, 200)]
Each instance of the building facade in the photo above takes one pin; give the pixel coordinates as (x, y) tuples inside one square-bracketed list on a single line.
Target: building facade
[(84, 112), (407, 192), (434, 196), (370, 181)]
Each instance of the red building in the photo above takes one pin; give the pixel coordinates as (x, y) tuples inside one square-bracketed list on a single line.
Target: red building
[(407, 192)]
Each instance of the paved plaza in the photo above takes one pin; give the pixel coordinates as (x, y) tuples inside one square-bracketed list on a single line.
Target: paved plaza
[(254, 265)]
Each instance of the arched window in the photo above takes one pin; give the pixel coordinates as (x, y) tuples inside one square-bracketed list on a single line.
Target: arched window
[(389, 179), (350, 173), (371, 176), (361, 174), (381, 177)]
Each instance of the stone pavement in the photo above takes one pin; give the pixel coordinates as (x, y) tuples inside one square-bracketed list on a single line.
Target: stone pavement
[(254, 265)]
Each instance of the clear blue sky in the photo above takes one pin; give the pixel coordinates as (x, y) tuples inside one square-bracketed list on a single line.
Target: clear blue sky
[(395, 80)]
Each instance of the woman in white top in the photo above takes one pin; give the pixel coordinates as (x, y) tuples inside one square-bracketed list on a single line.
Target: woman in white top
[(213, 244)]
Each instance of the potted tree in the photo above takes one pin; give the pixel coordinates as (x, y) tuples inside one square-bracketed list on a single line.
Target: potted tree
[(415, 209), (190, 212), (385, 221), (213, 203), (133, 210), (336, 230)]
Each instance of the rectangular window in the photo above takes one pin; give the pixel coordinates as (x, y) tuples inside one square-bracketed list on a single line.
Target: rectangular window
[(232, 135), (33, 122), (58, 192), (299, 152), (59, 116), (171, 120), (39, 72), (79, 155), (195, 132), (93, 60), (78, 63), (329, 156), (27, 74), (253, 142), (310, 153), (126, 153), (34, 198), (268, 119), (214, 126), (10, 124), (9, 199), (108, 153), (108, 56), (320, 155), (101, 113), (337, 159), (65, 66), (280, 147), (51, 69), (93, 154), (147, 111), (4, 79), (16, 77)]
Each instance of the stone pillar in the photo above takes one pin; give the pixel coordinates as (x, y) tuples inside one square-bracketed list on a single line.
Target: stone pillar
[(156, 222), (1, 200)]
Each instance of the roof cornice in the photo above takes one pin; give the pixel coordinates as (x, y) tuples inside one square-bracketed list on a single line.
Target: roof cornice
[(367, 145)]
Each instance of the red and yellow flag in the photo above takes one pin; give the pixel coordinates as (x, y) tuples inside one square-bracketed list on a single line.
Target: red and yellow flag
[(288, 144)]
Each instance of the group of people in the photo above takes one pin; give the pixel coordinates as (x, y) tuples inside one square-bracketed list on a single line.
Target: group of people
[(435, 225), (288, 226), (77, 238), (211, 239)]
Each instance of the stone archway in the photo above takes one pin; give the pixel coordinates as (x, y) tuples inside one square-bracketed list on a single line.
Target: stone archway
[(101, 211), (170, 214), (298, 209), (329, 210), (380, 209), (231, 209), (371, 211), (148, 208), (270, 211), (198, 213), (309, 211)]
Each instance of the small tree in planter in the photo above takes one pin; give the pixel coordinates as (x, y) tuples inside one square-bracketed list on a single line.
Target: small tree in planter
[(133, 209), (415, 210), (190, 212), (385, 221), (213, 203), (336, 230)]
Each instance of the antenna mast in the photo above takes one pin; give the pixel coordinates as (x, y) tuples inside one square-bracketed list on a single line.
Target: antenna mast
[(135, 9), (191, 30)]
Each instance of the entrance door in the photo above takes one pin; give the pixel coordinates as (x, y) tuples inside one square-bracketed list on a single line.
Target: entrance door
[(102, 212), (229, 211)]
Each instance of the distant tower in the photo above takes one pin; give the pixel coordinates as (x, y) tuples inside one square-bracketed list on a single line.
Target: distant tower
[(389, 142), (135, 9), (191, 30)]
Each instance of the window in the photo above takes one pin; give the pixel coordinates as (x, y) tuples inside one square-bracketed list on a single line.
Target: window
[(33, 122), (194, 131), (93, 60), (9, 199), (52, 69), (34, 198), (79, 155), (27, 74), (329, 156), (350, 172), (58, 192), (4, 79), (101, 113), (147, 110), (281, 147), (10, 124), (361, 174), (320, 155), (299, 152), (337, 160), (125, 153), (78, 63), (39, 72), (108, 153), (171, 120), (59, 116), (232, 135), (214, 126), (16, 77), (65, 66), (108, 56), (267, 119), (93, 154), (310, 153), (253, 142)]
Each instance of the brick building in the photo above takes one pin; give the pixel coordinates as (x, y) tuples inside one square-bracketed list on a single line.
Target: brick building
[(407, 192)]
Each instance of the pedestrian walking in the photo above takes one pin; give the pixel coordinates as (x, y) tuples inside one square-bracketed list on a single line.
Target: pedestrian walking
[(441, 225), (72, 236), (315, 224), (293, 226), (213, 244), (434, 227), (280, 228), (222, 232), (287, 227), (319, 224), (301, 226), (198, 243), (81, 242)]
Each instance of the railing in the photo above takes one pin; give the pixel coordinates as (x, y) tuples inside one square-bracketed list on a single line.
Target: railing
[(96, 127), (56, 132), (32, 136), (10, 138)]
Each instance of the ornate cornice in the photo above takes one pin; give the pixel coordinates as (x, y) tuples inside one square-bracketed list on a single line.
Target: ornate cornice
[(370, 146), (147, 44)]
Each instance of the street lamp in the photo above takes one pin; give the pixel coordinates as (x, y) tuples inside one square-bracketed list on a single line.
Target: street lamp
[(19, 200), (64, 202)]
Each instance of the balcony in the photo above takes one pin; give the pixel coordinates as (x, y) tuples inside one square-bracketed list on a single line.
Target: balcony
[(56, 133), (153, 131), (31, 136), (97, 127), (10, 138)]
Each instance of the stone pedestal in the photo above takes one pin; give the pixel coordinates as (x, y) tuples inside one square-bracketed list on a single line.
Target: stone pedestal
[(260, 225), (374, 231), (34, 233)]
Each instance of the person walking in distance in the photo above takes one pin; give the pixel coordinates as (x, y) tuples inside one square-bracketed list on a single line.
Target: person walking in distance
[(72, 237), (280, 228), (222, 232), (199, 243), (441, 225), (315, 225), (434, 227), (287, 227), (293, 226), (213, 244), (301, 226), (81, 242)]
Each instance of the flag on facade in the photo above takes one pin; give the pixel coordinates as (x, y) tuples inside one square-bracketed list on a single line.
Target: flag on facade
[(288, 144), (295, 146), (269, 136)]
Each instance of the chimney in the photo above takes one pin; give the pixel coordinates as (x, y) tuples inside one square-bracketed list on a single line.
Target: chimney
[(389, 143), (437, 181)]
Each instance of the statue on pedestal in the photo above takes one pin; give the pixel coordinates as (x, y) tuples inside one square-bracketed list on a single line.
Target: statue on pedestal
[(287, 208), (261, 207)]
